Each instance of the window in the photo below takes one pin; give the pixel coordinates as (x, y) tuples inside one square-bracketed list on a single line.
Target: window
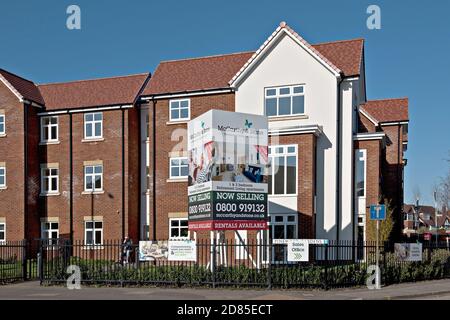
[(179, 168), (2, 124), (49, 180), (282, 226), (49, 129), (179, 228), (93, 232), (2, 177), (285, 101), (93, 178), (179, 110), (2, 231), (93, 125), (283, 170), (50, 231), (360, 172)]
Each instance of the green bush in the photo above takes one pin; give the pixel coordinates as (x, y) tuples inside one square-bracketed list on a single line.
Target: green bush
[(435, 265)]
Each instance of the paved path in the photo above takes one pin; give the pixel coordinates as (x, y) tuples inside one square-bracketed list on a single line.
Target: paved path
[(439, 289)]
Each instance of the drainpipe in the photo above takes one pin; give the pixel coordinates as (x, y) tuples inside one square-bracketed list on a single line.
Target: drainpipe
[(71, 179), (338, 159), (123, 174), (154, 168)]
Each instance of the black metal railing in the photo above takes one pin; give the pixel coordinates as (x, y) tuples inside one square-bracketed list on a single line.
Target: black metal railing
[(18, 260), (227, 263)]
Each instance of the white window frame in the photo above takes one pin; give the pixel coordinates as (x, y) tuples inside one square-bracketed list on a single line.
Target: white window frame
[(49, 177), (284, 154), (49, 126), (363, 157), (93, 230), (4, 232), (284, 223), (3, 120), (179, 228), (93, 122), (290, 95), (93, 175), (46, 233), (3, 186), (179, 167), (179, 108)]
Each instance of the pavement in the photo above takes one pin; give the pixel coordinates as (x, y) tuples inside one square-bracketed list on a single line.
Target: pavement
[(432, 290)]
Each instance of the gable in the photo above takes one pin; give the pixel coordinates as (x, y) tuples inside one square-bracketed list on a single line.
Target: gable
[(279, 36)]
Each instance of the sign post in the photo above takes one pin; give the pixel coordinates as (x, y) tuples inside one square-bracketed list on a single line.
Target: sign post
[(227, 176), (378, 212)]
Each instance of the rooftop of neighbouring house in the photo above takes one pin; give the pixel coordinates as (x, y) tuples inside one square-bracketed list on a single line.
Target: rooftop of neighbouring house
[(111, 91), (387, 110), (23, 88)]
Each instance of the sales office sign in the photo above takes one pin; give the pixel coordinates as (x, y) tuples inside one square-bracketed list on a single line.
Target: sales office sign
[(228, 158)]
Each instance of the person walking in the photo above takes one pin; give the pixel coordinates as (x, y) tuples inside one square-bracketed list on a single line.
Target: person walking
[(127, 247)]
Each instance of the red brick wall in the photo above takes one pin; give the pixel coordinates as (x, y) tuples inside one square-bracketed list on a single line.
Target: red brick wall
[(108, 204), (373, 172), (33, 173), (306, 147), (393, 173), (12, 152), (365, 125), (172, 196)]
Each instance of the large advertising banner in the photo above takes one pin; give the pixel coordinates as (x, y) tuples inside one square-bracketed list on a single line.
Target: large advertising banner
[(228, 158)]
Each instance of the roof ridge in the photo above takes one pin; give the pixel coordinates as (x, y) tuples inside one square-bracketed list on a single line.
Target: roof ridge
[(386, 99), (337, 41), (93, 79), (20, 77), (206, 57)]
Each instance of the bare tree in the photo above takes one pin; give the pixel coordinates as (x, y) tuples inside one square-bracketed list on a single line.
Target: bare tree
[(443, 192), (416, 194)]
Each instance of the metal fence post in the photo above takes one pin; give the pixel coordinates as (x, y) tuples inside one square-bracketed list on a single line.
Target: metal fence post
[(24, 260), (40, 268), (326, 268), (269, 269), (213, 261)]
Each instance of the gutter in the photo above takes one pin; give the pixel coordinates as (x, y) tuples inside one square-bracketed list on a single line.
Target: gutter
[(187, 94)]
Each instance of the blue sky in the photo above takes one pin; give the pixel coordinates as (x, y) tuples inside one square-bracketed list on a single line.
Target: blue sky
[(409, 56)]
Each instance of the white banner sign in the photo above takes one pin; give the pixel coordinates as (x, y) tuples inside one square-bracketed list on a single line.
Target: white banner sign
[(182, 250), (298, 250), (310, 241), (408, 251)]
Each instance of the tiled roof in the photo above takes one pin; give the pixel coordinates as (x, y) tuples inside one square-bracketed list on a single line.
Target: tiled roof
[(216, 71), (347, 55), (23, 87), (91, 93), (387, 110), (195, 74)]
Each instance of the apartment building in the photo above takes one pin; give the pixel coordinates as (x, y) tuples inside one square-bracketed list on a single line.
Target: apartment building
[(333, 152), (70, 159)]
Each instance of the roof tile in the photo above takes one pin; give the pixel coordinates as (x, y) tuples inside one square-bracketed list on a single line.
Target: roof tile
[(91, 93), (387, 110), (26, 88)]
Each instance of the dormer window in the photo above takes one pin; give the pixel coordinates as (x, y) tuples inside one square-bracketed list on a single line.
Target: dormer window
[(285, 101)]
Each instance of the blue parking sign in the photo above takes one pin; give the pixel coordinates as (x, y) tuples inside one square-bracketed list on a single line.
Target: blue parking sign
[(377, 212)]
